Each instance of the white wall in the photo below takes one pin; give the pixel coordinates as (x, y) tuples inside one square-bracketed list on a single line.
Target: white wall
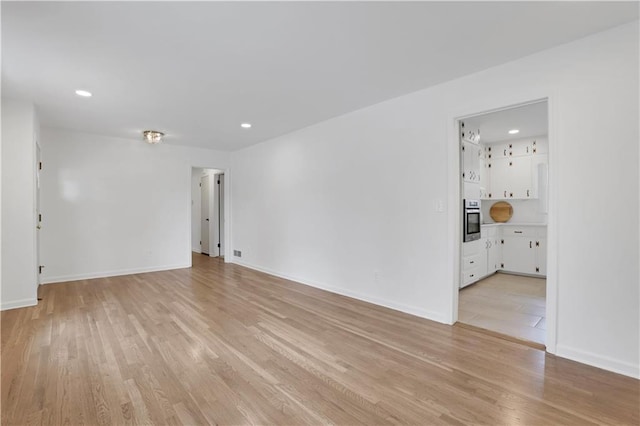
[(20, 130), (114, 206), (349, 204)]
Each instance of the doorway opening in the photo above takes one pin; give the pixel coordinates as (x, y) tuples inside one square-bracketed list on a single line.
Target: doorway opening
[(504, 190), (207, 211)]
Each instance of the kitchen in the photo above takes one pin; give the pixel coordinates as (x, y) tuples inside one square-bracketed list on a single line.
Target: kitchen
[(504, 158)]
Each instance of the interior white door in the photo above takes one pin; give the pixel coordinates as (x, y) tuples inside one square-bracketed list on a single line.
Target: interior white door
[(204, 217), (217, 217)]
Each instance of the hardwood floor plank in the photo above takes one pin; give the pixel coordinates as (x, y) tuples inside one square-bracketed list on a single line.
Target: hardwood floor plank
[(222, 344)]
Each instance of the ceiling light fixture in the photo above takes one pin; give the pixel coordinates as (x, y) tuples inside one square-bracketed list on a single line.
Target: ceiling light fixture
[(245, 125), (83, 93), (514, 131), (152, 136)]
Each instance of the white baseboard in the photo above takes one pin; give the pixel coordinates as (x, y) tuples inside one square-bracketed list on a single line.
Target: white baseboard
[(599, 361), (22, 303), (413, 310), (196, 249), (114, 273)]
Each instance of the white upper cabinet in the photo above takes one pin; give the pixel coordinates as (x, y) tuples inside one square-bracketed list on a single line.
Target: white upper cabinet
[(471, 154), (511, 169)]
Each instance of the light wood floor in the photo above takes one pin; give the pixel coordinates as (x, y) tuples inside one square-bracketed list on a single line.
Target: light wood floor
[(510, 304), (223, 344)]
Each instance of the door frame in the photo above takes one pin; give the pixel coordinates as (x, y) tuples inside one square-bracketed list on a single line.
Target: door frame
[(205, 178), (38, 208), (227, 210), (454, 249)]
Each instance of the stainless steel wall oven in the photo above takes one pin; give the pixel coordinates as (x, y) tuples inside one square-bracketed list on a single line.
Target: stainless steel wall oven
[(471, 220)]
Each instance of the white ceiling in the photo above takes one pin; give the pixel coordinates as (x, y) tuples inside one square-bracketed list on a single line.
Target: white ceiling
[(197, 70), (531, 120)]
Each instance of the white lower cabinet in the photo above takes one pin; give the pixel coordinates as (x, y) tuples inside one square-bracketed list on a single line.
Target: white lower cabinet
[(518, 255), (494, 255), (524, 249), (541, 256), (509, 248), (474, 265)]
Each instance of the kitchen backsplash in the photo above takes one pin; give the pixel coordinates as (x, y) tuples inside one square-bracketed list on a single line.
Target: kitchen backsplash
[(524, 211)]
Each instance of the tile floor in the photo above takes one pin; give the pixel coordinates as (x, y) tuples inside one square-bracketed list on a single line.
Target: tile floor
[(508, 304)]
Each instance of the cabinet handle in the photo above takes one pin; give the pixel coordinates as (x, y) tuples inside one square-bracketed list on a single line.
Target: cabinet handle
[(505, 152), (530, 244), (527, 150), (517, 232), (527, 192), (472, 275), (511, 194), (537, 243), (473, 261), (505, 194)]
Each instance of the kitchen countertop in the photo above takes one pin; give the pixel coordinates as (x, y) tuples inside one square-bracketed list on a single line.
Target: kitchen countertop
[(513, 224)]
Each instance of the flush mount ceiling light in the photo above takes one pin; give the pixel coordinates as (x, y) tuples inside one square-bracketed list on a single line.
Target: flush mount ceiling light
[(83, 93), (152, 136), (514, 131), (245, 125)]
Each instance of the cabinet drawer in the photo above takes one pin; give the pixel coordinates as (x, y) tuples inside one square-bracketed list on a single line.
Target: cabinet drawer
[(519, 231), (470, 276), (472, 262)]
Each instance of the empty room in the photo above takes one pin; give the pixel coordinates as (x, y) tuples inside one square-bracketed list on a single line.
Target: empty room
[(287, 213)]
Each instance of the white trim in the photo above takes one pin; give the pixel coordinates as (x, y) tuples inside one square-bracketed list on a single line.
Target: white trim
[(22, 303), (599, 361), (228, 250), (115, 273), (196, 250), (412, 310), (482, 106), (227, 210)]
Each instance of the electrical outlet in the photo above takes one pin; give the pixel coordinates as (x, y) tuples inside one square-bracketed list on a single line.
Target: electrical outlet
[(237, 253)]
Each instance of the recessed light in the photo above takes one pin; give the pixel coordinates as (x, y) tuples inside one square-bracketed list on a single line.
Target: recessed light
[(514, 131), (245, 125), (83, 93)]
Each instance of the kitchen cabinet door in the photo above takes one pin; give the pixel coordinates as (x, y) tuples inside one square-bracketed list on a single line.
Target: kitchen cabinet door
[(541, 256), (540, 146), (485, 184), (494, 255), (471, 154), (521, 148), (520, 182), (501, 150), (499, 178), (518, 255)]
